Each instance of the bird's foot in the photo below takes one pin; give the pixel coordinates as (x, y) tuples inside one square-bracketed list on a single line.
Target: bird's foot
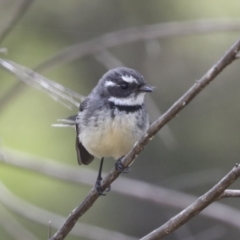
[(121, 168), (98, 188)]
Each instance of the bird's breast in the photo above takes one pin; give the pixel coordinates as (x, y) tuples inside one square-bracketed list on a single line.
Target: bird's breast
[(106, 136)]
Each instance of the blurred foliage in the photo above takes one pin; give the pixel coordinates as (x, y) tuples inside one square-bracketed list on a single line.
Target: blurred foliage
[(206, 132)]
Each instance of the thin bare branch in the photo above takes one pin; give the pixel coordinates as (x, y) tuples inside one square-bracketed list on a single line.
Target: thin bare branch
[(59, 93), (20, 8), (196, 207), (136, 188), (228, 58), (162, 30), (43, 216), (230, 193)]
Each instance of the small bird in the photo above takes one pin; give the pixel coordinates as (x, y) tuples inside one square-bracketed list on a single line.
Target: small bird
[(111, 119)]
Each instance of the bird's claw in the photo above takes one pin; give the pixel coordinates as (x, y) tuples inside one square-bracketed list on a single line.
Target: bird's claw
[(121, 168), (98, 188)]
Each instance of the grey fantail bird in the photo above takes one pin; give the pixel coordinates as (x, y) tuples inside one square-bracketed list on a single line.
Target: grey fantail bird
[(111, 118)]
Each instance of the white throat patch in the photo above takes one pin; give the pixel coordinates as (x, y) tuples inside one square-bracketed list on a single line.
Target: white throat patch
[(130, 101)]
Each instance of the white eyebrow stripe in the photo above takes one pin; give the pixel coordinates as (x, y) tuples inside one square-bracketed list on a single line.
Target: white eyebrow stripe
[(129, 79), (109, 83)]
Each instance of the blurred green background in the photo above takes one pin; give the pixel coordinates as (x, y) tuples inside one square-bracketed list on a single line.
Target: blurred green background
[(201, 144)]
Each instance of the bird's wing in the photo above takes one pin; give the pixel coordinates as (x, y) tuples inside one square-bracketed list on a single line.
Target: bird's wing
[(83, 156)]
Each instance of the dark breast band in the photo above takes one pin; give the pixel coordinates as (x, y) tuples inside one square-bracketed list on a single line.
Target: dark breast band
[(125, 108)]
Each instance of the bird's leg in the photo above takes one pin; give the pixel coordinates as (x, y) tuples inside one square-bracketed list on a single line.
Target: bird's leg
[(99, 179), (120, 167)]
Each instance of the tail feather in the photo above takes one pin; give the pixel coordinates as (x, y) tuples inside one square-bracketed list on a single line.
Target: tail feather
[(66, 122)]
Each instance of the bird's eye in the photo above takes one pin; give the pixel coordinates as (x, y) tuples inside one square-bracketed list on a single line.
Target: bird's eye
[(124, 86)]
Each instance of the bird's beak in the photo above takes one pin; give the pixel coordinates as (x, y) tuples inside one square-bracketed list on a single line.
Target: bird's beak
[(145, 88)]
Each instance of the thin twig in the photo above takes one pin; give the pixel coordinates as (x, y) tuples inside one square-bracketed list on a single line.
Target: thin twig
[(161, 30), (228, 58), (230, 193), (196, 207), (135, 188)]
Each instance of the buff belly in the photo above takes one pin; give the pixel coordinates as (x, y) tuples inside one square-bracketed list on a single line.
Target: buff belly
[(111, 138)]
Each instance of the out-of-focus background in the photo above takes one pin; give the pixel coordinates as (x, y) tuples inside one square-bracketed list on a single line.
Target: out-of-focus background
[(178, 42)]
